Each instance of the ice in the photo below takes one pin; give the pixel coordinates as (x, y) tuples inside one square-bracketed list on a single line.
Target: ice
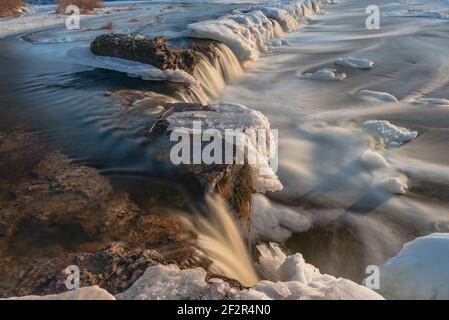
[(397, 185), (382, 96), (362, 64), (373, 160), (275, 222), (324, 74), (85, 293), (289, 277), (248, 32), (433, 101), (389, 134), (419, 271), (83, 56), (223, 116)]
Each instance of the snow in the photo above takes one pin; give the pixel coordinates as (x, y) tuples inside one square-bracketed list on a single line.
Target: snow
[(228, 116), (288, 278), (397, 185), (389, 134), (373, 160), (324, 74), (433, 101), (275, 222), (85, 293), (248, 32), (351, 62), (419, 271), (382, 96)]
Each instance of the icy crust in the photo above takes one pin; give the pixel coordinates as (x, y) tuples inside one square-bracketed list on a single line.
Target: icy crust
[(85, 293), (228, 116), (378, 95), (248, 32), (288, 278), (419, 271), (389, 134), (351, 62), (324, 74), (83, 56)]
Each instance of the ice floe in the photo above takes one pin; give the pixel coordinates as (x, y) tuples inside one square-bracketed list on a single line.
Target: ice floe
[(324, 74), (389, 134), (224, 116), (288, 277), (433, 102), (351, 62), (373, 160), (275, 222), (419, 271), (382, 96), (397, 185)]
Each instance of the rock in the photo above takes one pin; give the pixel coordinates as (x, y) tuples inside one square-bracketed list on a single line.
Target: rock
[(142, 49)]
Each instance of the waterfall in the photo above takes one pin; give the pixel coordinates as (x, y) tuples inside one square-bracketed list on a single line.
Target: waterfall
[(219, 238), (213, 73)]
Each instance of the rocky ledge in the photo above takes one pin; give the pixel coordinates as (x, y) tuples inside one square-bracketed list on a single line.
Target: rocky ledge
[(140, 48)]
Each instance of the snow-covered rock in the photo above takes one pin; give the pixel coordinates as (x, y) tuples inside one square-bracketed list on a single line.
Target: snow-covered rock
[(373, 160), (275, 222), (419, 271), (389, 134), (382, 96), (351, 62), (85, 293), (229, 116), (324, 74)]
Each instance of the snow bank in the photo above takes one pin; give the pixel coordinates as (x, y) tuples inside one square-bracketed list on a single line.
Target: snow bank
[(351, 62), (382, 96), (289, 278), (324, 74), (419, 271), (275, 222), (227, 116), (248, 32), (433, 102), (389, 134), (86, 293), (397, 185), (373, 160)]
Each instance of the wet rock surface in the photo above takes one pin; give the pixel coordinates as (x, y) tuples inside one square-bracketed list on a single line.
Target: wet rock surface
[(140, 48), (55, 213)]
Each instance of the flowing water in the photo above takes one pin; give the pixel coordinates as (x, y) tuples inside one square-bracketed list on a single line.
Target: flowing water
[(352, 223)]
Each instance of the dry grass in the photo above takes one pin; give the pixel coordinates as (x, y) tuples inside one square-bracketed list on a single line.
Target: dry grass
[(84, 5), (108, 25), (9, 7)]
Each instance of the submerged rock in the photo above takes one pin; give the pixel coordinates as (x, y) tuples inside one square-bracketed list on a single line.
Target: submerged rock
[(142, 49)]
